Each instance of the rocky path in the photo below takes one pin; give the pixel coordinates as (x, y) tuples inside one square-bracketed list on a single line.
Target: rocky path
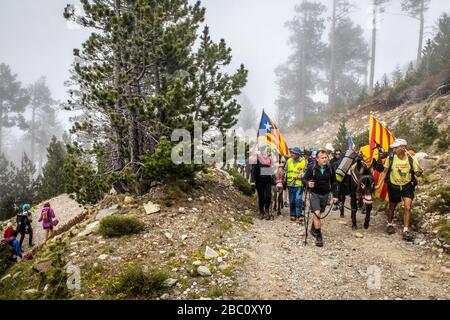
[(65, 210), (363, 264)]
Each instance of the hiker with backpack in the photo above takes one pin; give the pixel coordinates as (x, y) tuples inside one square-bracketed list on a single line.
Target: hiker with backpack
[(262, 177), (400, 172), (48, 219), (24, 220), (295, 168), (321, 181)]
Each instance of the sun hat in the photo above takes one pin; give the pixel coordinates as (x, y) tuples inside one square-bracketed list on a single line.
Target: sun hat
[(399, 143)]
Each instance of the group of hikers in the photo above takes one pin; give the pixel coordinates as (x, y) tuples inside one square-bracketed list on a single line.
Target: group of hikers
[(24, 219), (311, 176)]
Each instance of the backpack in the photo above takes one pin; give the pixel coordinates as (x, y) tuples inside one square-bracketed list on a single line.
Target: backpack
[(411, 165), (46, 215)]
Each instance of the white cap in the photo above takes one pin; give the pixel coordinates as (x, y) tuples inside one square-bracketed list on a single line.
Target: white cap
[(399, 143)]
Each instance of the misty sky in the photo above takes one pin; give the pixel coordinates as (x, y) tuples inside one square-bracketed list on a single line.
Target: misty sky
[(36, 40)]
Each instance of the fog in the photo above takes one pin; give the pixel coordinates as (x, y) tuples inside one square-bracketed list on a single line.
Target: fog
[(36, 40)]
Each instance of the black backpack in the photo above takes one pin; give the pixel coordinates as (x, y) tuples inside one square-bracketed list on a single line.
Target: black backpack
[(411, 165)]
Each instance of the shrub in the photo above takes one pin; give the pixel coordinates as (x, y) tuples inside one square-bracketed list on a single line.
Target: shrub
[(444, 140), (428, 131), (441, 202), (241, 183), (117, 225), (137, 282), (444, 230)]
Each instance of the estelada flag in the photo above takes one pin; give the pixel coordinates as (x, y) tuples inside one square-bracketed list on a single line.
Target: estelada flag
[(269, 133), (379, 135)]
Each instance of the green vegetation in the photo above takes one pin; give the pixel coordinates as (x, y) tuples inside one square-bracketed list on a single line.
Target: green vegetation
[(136, 282), (118, 225), (444, 140), (48, 284), (441, 202), (444, 230), (241, 183)]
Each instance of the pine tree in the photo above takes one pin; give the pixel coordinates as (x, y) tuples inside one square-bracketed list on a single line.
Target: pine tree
[(350, 63), (341, 140), (298, 78), (397, 76), (151, 81), (7, 198), (24, 182), (385, 82), (377, 89), (54, 179), (13, 100), (441, 45), (378, 7), (43, 124), (416, 9)]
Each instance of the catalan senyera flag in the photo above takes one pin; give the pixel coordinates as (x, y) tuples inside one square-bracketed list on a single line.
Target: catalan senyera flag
[(379, 135), (269, 133)]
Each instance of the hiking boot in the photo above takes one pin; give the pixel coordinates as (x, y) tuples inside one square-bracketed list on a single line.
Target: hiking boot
[(314, 231), (342, 215), (261, 215), (390, 229), (301, 220), (319, 240), (292, 218), (408, 236), (286, 204)]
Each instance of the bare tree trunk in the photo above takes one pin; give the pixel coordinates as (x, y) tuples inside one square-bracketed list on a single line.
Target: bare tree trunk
[(33, 133), (374, 48), (1, 126), (422, 26), (332, 85)]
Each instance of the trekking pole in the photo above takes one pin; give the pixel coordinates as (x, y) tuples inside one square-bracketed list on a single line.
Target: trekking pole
[(306, 215)]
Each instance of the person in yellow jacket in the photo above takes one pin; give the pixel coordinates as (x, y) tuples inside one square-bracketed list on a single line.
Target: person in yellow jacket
[(295, 168)]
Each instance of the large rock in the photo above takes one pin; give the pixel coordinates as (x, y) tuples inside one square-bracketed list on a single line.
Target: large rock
[(128, 200), (168, 283), (89, 229), (106, 212), (151, 208), (203, 271), (425, 160), (43, 266), (210, 253)]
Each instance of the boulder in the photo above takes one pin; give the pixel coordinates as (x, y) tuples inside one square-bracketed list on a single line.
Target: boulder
[(151, 208), (168, 283), (89, 229), (43, 266), (203, 271), (128, 200), (210, 253), (106, 212)]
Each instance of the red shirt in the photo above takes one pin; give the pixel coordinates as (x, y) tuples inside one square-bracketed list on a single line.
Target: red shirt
[(8, 233)]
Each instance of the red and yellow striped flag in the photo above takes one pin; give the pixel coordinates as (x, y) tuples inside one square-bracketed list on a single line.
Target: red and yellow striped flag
[(379, 136)]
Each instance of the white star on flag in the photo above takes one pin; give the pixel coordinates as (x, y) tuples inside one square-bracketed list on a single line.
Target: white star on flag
[(268, 126)]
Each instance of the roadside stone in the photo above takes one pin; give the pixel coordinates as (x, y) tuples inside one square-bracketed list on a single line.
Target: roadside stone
[(210, 253), (103, 257), (5, 278), (90, 228), (106, 212), (43, 266), (204, 271), (128, 200), (182, 210), (359, 235), (197, 263), (168, 283), (30, 291), (168, 235), (151, 208), (183, 237)]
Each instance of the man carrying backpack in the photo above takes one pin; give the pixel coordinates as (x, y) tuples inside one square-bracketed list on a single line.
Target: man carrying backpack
[(321, 180), (400, 171), (24, 226), (295, 169)]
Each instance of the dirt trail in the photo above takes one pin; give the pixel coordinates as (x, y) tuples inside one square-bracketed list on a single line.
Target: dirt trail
[(278, 266), (65, 210)]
